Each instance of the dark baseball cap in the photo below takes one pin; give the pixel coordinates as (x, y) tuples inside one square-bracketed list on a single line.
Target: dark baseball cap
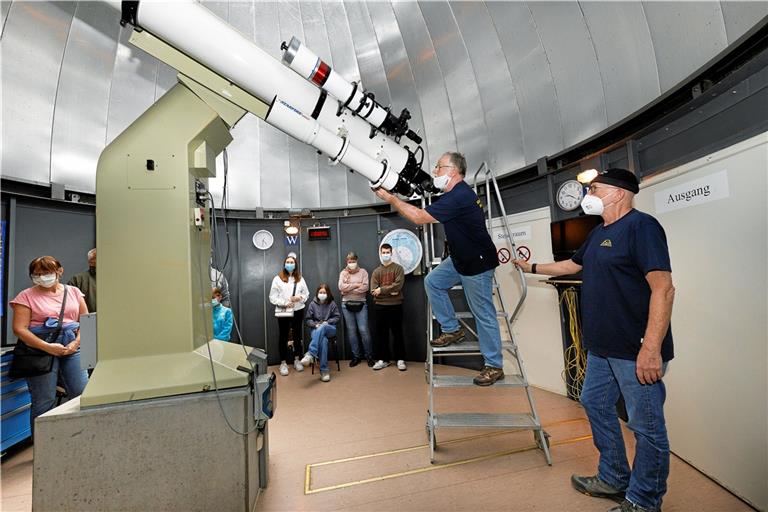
[(617, 177)]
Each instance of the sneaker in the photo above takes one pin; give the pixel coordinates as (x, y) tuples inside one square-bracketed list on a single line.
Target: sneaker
[(447, 338), (628, 506), (371, 362), (325, 376), (380, 365), (297, 364), (488, 376), (593, 486), (354, 362), (283, 369), (308, 359), (401, 365)]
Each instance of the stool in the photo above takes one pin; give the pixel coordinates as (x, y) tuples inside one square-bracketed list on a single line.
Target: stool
[(331, 346)]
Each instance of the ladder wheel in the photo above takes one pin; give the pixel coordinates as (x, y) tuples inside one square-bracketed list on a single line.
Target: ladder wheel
[(538, 441)]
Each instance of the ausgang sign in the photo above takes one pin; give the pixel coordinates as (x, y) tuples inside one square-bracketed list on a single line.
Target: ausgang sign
[(692, 193)]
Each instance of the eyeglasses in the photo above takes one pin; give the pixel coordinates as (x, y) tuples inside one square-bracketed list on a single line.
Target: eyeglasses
[(438, 166), (593, 188)]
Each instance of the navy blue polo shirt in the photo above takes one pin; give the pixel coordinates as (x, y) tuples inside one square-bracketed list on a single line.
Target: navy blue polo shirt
[(615, 295), (461, 213)]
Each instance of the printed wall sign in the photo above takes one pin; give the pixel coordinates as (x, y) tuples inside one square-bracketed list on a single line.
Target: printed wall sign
[(693, 193)]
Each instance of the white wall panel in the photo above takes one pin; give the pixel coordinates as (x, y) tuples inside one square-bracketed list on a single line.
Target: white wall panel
[(31, 67), (717, 384), (685, 36), (82, 100), (573, 62)]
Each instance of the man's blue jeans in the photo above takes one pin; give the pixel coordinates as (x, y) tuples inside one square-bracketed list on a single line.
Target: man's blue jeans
[(478, 290), (358, 323), (318, 347), (646, 484), (42, 388)]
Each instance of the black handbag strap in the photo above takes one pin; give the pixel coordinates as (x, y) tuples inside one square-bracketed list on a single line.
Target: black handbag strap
[(61, 315)]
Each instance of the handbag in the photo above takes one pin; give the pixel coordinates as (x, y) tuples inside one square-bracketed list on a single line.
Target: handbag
[(286, 311), (354, 306), (31, 362)]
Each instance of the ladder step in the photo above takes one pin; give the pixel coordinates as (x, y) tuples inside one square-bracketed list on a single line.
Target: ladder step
[(467, 347), (460, 287), (464, 381), (468, 314), (480, 420)]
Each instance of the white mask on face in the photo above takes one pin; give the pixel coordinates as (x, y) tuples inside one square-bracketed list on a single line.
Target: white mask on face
[(352, 265), (322, 296), (593, 205), (386, 258), (440, 182), (45, 281)]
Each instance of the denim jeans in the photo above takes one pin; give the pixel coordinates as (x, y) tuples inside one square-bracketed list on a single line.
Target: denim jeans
[(42, 388), (358, 323), (478, 290), (646, 483), (318, 347)]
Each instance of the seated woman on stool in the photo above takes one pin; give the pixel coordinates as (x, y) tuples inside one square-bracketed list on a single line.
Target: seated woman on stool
[(322, 317)]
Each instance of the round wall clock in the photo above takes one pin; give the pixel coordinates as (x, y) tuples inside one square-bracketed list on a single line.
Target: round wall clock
[(569, 195), (263, 239)]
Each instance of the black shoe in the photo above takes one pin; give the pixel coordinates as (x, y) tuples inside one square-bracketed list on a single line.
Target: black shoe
[(371, 362), (354, 362), (628, 506), (593, 486)]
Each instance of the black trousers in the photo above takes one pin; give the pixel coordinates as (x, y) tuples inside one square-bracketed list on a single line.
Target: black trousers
[(284, 324), (386, 320)]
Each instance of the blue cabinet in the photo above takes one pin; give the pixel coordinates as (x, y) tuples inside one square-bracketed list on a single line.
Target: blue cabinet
[(15, 405)]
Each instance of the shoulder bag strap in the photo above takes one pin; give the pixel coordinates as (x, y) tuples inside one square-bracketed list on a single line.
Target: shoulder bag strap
[(61, 315)]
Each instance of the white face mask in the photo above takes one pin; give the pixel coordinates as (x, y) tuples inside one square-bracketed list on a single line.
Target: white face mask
[(322, 296), (593, 205), (386, 258), (46, 281), (352, 265), (440, 182)]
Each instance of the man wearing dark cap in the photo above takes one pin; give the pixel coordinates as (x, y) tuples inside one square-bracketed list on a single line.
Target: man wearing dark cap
[(626, 306)]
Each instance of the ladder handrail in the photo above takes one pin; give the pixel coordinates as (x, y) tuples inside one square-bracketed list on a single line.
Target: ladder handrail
[(490, 176)]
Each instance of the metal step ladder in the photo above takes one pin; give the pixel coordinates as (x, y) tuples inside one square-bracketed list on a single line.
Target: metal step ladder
[(512, 421)]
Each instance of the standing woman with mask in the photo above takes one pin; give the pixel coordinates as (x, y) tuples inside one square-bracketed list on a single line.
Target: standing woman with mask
[(353, 285), (36, 313), (288, 294)]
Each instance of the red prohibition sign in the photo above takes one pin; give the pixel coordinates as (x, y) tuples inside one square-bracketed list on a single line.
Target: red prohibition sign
[(524, 253), (504, 255)]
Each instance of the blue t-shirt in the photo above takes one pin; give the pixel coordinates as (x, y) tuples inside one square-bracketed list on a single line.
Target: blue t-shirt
[(615, 294), (461, 213)]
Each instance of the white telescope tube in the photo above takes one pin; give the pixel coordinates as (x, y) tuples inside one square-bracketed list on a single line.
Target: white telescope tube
[(194, 30), (309, 66), (287, 118)]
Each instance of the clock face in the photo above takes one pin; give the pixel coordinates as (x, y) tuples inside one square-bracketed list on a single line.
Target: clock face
[(263, 239), (569, 195)]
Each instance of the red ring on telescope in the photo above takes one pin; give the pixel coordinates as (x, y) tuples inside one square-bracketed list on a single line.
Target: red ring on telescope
[(321, 75)]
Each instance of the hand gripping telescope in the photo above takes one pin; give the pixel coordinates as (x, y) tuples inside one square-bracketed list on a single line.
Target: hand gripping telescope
[(296, 107)]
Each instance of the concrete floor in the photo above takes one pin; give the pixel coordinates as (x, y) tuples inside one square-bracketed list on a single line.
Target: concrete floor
[(358, 443)]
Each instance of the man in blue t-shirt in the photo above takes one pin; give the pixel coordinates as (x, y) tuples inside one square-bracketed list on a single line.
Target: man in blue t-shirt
[(626, 306), (472, 262)]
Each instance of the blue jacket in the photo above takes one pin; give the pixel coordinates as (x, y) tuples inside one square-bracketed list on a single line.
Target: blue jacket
[(222, 322), (68, 333)]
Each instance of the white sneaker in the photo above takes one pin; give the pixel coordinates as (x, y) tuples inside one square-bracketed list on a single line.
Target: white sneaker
[(325, 376), (307, 359), (401, 365), (297, 364), (380, 365), (283, 369)]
